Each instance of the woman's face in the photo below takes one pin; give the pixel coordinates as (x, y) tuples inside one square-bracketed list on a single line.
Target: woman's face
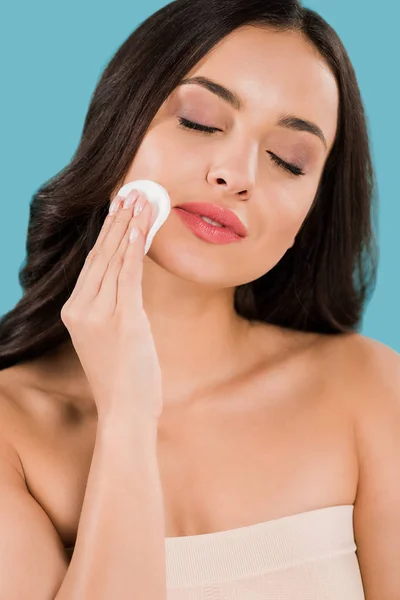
[(275, 74)]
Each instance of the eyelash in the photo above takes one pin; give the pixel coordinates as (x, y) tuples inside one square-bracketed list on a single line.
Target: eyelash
[(293, 169)]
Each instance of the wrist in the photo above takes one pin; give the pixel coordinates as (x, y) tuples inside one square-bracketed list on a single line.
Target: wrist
[(133, 424)]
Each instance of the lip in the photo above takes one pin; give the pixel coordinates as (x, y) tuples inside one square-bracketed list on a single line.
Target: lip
[(217, 213), (214, 234)]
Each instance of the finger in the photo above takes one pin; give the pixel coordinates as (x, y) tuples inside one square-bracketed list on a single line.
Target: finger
[(101, 257), (106, 300), (103, 232), (108, 221), (129, 285)]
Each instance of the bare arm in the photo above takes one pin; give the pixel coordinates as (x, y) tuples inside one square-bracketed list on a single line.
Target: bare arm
[(377, 506), (32, 558), (119, 551)]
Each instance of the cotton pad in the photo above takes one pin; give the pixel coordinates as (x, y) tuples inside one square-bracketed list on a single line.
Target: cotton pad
[(159, 199)]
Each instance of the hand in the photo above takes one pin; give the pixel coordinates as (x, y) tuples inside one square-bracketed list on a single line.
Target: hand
[(107, 323)]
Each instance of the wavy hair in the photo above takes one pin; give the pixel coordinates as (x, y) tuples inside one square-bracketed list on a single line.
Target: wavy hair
[(322, 282)]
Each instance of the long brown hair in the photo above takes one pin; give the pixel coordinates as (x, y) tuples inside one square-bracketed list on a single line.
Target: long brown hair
[(321, 284)]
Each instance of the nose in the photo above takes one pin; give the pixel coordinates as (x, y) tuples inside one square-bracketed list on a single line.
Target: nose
[(236, 173)]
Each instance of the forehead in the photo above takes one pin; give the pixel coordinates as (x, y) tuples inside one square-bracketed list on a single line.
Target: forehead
[(274, 73)]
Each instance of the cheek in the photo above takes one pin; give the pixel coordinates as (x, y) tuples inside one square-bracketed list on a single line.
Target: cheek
[(160, 158), (278, 226), (154, 155), (155, 158), (283, 217)]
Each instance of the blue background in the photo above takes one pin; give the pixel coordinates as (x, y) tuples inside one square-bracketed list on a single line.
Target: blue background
[(52, 57)]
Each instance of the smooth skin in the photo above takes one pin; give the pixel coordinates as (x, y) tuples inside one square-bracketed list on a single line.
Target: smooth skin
[(318, 416), (120, 539), (106, 320)]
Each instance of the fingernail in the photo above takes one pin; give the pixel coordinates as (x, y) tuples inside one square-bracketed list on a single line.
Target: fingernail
[(139, 206), (114, 205), (130, 199)]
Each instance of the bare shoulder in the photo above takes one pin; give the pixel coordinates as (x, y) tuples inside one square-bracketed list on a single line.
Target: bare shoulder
[(369, 374), (365, 375), (356, 349), (378, 368), (30, 544), (22, 416), (12, 422), (366, 370)]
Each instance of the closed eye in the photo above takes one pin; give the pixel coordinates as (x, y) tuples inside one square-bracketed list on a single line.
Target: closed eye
[(287, 166), (293, 169)]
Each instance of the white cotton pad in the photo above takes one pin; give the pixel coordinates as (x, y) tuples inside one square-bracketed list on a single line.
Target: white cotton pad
[(158, 197)]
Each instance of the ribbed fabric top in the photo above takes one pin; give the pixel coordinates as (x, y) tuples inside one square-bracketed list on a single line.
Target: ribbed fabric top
[(308, 556)]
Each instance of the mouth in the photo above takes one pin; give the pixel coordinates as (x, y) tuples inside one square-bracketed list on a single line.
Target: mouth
[(217, 216), (211, 232)]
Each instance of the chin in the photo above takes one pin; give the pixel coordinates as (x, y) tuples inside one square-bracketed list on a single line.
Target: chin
[(195, 260)]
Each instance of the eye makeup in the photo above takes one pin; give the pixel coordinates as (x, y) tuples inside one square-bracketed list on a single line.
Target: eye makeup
[(293, 169)]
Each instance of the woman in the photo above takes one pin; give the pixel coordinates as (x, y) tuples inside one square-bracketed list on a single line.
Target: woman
[(205, 421)]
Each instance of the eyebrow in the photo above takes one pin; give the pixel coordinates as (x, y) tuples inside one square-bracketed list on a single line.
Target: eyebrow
[(288, 121)]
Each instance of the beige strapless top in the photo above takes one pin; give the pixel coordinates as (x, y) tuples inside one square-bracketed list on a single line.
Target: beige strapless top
[(306, 556)]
